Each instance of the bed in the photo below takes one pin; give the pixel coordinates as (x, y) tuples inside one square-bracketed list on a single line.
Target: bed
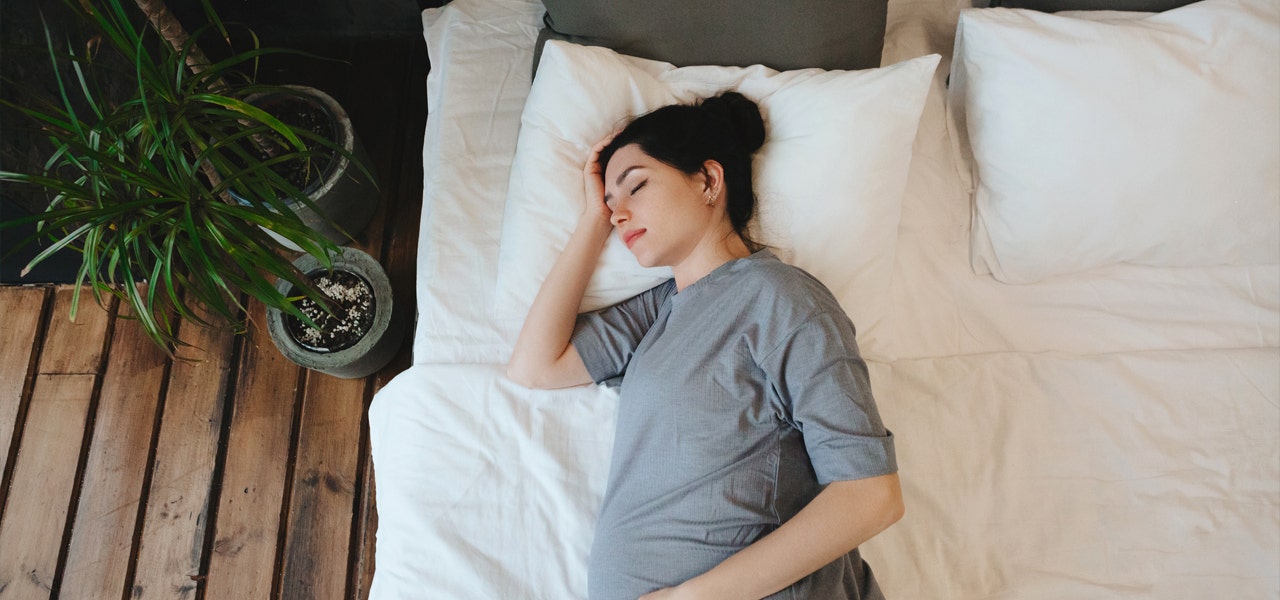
[(1084, 384)]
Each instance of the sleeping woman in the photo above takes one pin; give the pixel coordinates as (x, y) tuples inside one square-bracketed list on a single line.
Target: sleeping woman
[(750, 460)]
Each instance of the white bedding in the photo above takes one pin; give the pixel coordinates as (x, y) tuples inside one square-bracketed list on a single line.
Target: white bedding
[(1114, 433)]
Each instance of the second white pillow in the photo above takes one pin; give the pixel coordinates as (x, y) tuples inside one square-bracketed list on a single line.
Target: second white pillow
[(1151, 140)]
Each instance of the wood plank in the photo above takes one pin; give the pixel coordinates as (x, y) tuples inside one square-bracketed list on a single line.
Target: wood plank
[(107, 513), (367, 528), (325, 481), (75, 346), (171, 545), (42, 491), (243, 563), (43, 483), (21, 308)]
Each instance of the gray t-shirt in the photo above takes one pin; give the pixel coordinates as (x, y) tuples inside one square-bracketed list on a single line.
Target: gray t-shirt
[(741, 397)]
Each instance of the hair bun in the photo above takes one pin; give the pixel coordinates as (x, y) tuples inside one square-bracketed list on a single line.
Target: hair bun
[(743, 116)]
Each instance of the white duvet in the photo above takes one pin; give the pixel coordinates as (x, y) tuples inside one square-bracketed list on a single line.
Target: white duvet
[(1113, 434)]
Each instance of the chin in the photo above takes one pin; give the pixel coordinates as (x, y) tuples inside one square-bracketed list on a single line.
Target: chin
[(645, 260)]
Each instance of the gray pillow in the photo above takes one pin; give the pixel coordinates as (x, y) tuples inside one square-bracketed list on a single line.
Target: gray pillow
[(829, 34), (1126, 5)]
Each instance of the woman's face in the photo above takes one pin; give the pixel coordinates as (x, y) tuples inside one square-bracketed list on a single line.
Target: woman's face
[(660, 213)]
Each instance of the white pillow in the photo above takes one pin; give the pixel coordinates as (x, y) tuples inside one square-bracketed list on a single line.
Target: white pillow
[(830, 176), (1151, 140)]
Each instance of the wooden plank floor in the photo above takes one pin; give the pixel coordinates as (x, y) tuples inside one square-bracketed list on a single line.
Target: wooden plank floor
[(127, 475)]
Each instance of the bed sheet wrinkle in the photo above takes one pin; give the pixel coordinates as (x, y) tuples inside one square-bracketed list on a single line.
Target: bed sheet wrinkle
[(432, 433), (1123, 308), (1087, 457), (942, 460), (415, 466), (1265, 390), (540, 465)]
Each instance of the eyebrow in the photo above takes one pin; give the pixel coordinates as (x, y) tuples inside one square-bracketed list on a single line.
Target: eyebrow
[(625, 172), (618, 181)]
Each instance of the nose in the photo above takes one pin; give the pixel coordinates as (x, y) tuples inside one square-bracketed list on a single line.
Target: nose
[(619, 215)]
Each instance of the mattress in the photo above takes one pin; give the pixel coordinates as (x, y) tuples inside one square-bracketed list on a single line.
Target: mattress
[(1114, 433)]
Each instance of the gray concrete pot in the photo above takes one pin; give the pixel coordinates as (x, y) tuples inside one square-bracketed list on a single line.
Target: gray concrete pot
[(375, 349), (345, 195)]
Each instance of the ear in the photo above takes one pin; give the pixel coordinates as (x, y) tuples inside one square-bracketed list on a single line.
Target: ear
[(713, 175)]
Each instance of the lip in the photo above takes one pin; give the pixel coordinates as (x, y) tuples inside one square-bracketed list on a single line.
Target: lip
[(630, 237)]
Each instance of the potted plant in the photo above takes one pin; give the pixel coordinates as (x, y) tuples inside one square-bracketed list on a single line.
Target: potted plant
[(361, 330), (340, 200), (189, 182)]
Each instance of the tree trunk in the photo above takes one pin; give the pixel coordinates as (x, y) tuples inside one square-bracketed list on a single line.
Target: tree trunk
[(167, 25)]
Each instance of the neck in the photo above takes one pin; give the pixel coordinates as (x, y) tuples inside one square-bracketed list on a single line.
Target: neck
[(710, 254)]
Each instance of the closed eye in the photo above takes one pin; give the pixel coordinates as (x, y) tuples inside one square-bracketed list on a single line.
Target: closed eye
[(640, 185)]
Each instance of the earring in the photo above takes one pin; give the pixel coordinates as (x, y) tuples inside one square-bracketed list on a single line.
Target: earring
[(711, 197)]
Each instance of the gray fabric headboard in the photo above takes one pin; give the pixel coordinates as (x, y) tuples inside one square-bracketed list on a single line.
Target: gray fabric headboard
[(830, 34)]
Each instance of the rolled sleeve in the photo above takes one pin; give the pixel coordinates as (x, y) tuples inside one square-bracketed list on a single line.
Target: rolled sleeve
[(825, 391)]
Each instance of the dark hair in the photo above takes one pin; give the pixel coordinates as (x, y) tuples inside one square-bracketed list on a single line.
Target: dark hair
[(727, 129)]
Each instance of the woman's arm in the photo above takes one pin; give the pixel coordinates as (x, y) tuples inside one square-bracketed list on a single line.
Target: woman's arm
[(839, 519), (543, 356)]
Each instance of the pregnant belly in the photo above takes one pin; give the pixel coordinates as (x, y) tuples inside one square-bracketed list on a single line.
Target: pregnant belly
[(627, 562)]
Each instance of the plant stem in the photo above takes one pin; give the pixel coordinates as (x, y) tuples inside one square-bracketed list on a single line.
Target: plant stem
[(169, 28), (167, 25)]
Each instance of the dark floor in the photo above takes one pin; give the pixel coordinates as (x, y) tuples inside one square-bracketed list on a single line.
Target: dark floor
[(127, 475)]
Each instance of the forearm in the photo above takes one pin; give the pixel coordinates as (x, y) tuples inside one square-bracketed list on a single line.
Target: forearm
[(544, 338), (839, 519)]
